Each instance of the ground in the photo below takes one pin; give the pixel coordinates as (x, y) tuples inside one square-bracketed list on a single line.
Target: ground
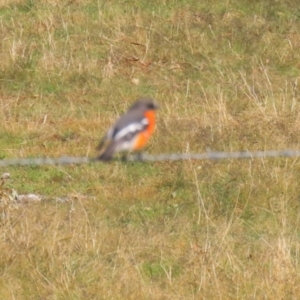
[(225, 74)]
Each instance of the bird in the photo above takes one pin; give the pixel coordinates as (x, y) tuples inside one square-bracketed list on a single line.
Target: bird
[(131, 131)]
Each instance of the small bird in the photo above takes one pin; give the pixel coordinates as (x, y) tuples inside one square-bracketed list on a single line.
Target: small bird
[(131, 131)]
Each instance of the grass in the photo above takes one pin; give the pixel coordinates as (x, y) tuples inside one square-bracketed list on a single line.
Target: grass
[(225, 74)]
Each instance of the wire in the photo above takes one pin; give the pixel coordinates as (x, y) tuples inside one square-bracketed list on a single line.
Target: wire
[(67, 160)]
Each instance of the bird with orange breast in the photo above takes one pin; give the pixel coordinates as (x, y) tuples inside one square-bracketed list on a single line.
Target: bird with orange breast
[(131, 131)]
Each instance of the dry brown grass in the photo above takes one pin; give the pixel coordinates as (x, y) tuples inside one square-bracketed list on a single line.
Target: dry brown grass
[(226, 77)]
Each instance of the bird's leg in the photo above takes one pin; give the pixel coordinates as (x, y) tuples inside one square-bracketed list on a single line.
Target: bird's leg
[(139, 156), (124, 157)]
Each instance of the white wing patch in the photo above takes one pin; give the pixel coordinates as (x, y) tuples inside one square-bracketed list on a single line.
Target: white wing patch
[(131, 129)]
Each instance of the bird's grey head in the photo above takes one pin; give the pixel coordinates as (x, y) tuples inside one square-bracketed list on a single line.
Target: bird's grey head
[(145, 103)]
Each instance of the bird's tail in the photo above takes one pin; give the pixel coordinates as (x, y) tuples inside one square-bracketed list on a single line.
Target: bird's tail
[(108, 153), (101, 143)]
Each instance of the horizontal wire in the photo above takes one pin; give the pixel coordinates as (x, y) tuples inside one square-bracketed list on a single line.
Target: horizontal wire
[(67, 160)]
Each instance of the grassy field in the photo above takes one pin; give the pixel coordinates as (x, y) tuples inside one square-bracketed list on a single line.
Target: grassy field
[(225, 74)]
